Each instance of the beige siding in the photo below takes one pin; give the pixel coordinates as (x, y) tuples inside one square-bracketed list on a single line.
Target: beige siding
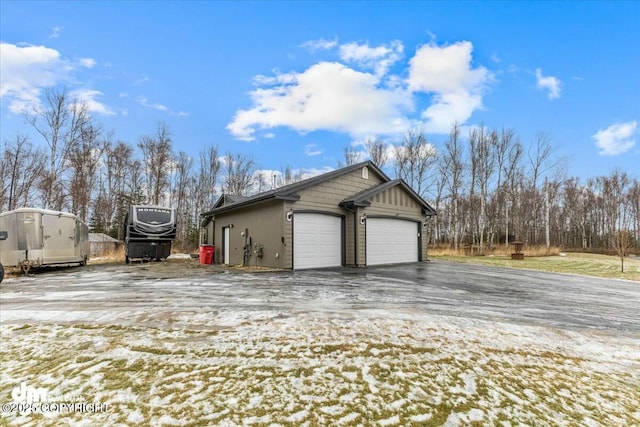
[(264, 226), (348, 234), (327, 195), (288, 236), (361, 239)]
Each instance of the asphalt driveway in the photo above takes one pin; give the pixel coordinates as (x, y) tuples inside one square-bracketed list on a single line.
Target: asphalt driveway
[(152, 292)]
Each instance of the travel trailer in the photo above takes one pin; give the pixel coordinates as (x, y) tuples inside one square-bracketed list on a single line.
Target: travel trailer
[(149, 231), (37, 237)]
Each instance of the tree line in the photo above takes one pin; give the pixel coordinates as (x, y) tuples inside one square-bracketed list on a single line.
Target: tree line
[(488, 187)]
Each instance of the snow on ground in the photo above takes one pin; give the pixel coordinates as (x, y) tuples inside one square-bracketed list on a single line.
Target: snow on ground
[(168, 363), (314, 369)]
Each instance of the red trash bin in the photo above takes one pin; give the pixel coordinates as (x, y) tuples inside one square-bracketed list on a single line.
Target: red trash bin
[(206, 254)]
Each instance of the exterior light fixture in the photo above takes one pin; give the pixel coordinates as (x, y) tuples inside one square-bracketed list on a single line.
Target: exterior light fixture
[(363, 218), (289, 215)]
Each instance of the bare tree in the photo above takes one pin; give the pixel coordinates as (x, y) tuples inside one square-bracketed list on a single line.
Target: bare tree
[(239, 174), (21, 167), (180, 197), (113, 199), (208, 172), (156, 158), (84, 160), (508, 152), (377, 150), (60, 124), (452, 168), (542, 164), (351, 156), (622, 242), (414, 160), (550, 190), (482, 143), (287, 174), (634, 203)]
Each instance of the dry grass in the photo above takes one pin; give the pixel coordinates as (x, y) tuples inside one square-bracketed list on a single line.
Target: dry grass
[(596, 265), (116, 255), (499, 250), (311, 371)]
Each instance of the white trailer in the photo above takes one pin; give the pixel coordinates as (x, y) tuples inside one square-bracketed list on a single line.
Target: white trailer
[(39, 237)]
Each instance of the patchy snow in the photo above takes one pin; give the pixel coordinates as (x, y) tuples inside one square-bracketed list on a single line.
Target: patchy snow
[(135, 417), (232, 350), (392, 421), (178, 257)]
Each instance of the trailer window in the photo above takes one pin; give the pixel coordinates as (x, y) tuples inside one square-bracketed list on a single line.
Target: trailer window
[(154, 216)]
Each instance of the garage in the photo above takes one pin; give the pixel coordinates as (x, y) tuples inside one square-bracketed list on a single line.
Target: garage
[(321, 222), (317, 240), (391, 241)]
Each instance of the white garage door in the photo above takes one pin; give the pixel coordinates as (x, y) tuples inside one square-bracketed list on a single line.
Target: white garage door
[(391, 241), (317, 241)]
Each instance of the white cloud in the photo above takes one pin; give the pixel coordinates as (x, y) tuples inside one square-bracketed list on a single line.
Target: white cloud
[(617, 138), (456, 87), (310, 173), (379, 58), (312, 150), (327, 96), (395, 151), (143, 79), (314, 45), (55, 32), (145, 103), (363, 98), (88, 97), (88, 62), (26, 70), (549, 83)]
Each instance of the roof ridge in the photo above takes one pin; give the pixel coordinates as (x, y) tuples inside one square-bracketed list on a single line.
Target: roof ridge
[(290, 189)]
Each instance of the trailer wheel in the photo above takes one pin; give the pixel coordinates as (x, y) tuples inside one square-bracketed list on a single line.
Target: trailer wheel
[(1, 272)]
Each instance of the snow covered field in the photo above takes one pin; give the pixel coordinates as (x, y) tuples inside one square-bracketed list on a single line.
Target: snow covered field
[(426, 344)]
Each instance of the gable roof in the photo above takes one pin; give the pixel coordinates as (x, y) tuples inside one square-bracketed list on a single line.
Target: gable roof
[(228, 199), (363, 198), (101, 238), (289, 192)]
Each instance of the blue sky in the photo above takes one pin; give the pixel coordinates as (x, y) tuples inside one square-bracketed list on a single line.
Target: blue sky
[(295, 82)]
